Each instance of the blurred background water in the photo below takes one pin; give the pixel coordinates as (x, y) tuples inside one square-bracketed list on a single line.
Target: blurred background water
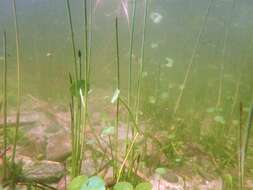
[(47, 54)]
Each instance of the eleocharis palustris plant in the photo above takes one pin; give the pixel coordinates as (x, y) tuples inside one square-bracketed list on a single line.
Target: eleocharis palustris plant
[(116, 143), (18, 91), (79, 96)]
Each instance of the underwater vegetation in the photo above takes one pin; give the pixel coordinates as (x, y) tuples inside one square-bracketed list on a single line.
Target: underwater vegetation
[(168, 114)]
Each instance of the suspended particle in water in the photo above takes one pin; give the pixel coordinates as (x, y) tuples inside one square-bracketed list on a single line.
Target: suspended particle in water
[(156, 17), (181, 87), (219, 119), (49, 54), (144, 74), (164, 95), (152, 100), (169, 62)]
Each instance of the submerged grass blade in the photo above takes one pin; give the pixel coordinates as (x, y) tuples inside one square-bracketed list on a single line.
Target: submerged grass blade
[(224, 50), (245, 143), (193, 56), (239, 137), (117, 102), (5, 105), (72, 38), (139, 82), (18, 80), (129, 91)]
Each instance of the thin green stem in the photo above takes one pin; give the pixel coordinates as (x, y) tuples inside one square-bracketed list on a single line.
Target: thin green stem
[(18, 91), (139, 85), (126, 157), (72, 38), (130, 66), (5, 105), (193, 56), (91, 36), (117, 103), (224, 50), (18, 79)]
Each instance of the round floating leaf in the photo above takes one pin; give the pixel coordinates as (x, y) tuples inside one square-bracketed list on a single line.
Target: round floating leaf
[(76, 86), (77, 182), (161, 171), (123, 186), (94, 183), (144, 186)]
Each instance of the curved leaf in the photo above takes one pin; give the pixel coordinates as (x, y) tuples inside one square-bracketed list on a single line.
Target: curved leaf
[(94, 183), (77, 182), (123, 186), (144, 186)]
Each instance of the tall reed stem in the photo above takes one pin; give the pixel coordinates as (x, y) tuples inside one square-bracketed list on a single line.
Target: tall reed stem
[(224, 50), (240, 176), (117, 103), (139, 83), (86, 84), (72, 38), (18, 80), (245, 143), (5, 105), (91, 35), (130, 65), (193, 56)]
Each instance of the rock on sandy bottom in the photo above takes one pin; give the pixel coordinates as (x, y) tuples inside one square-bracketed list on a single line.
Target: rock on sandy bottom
[(42, 171)]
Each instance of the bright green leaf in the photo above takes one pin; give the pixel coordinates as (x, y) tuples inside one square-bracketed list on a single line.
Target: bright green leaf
[(94, 183), (77, 182), (161, 171), (123, 186), (144, 186)]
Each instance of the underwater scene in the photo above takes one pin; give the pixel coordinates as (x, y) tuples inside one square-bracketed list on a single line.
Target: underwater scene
[(126, 94)]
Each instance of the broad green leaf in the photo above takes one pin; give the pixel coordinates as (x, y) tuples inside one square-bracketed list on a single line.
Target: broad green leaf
[(123, 186), (94, 183), (161, 171), (144, 186), (76, 86), (77, 182), (115, 96)]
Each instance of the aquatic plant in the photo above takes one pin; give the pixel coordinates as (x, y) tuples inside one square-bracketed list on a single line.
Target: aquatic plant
[(193, 55), (18, 62), (224, 50), (5, 105), (79, 98), (116, 156), (139, 81), (129, 90), (243, 149)]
